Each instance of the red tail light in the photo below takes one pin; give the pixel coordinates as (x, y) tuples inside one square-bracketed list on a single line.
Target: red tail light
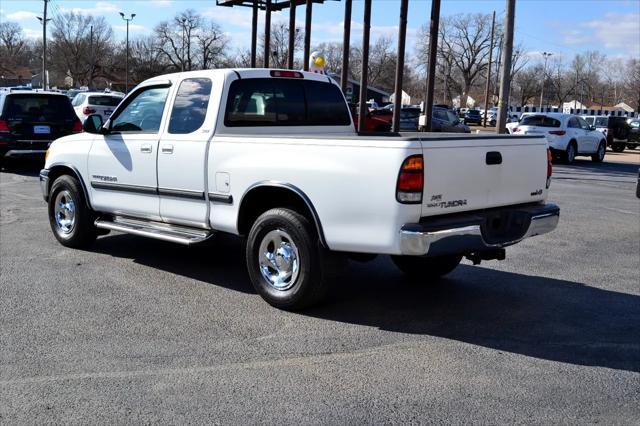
[(87, 111), (557, 132), (549, 167), (77, 126), (4, 126), (286, 74), (516, 130), (411, 180)]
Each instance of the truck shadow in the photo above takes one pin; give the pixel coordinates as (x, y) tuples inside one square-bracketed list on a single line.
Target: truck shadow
[(582, 164), (536, 316)]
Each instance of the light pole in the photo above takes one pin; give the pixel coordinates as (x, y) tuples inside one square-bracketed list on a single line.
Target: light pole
[(44, 21), (126, 83), (546, 56)]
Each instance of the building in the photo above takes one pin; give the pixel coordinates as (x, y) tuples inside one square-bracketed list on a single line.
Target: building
[(15, 76), (353, 91)]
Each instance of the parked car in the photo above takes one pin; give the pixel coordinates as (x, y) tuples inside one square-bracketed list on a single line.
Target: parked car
[(616, 130), (88, 103), (515, 122), (568, 135), (71, 93), (409, 119), (634, 134), (372, 123), (217, 153), (472, 116), (443, 120), (31, 120)]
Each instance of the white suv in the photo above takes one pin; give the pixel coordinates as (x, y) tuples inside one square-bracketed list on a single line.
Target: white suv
[(87, 103), (568, 135)]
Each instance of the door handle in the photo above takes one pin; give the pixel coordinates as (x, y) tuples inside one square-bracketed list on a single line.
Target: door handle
[(146, 148), (493, 157), (167, 149)]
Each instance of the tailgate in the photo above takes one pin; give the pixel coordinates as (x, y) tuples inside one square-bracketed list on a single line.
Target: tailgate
[(478, 172)]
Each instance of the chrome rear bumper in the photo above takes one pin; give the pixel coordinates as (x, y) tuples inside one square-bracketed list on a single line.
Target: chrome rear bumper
[(477, 231)]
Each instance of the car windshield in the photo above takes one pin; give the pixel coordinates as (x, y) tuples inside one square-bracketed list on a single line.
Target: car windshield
[(452, 117), (104, 100), (38, 107), (540, 121), (601, 121), (589, 120)]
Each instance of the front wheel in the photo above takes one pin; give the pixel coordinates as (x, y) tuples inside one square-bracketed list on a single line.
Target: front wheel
[(70, 218), (428, 268), (284, 260), (570, 153), (598, 157)]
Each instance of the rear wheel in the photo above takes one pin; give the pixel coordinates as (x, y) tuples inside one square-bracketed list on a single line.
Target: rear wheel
[(631, 146), (284, 260), (70, 218), (618, 147), (570, 153), (598, 157), (427, 268)]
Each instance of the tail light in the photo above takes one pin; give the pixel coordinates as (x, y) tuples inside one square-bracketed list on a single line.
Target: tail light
[(410, 180), (4, 126), (549, 167), (286, 74), (86, 110), (557, 132), (517, 130), (77, 126)]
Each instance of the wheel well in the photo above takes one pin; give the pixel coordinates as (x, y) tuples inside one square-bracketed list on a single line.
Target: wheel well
[(262, 198), (56, 171)]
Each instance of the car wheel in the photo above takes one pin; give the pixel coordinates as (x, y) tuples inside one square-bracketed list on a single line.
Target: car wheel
[(284, 262), (570, 153), (618, 147), (598, 157), (70, 218), (427, 268), (492, 123), (631, 146)]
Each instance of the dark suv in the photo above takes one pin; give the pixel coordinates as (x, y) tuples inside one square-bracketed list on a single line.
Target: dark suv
[(472, 116), (31, 120)]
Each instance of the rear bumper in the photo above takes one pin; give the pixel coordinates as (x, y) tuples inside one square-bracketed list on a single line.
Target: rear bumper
[(44, 183), (478, 231)]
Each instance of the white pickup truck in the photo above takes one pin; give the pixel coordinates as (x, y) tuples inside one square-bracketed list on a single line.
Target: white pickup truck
[(273, 156)]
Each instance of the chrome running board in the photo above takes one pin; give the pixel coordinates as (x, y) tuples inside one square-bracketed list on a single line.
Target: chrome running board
[(160, 231)]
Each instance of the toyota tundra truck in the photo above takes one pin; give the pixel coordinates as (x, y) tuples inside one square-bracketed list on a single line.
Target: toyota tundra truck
[(273, 157)]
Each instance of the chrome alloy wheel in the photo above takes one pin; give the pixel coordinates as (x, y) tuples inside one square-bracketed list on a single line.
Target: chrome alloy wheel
[(65, 212), (279, 260)]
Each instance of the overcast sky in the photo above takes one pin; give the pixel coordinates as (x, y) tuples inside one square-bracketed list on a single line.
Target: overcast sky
[(563, 27)]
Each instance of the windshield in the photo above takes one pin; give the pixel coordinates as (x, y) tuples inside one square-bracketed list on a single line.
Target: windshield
[(589, 120), (540, 121)]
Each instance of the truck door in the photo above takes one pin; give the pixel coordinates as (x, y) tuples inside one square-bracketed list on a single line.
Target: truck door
[(182, 154), (122, 162)]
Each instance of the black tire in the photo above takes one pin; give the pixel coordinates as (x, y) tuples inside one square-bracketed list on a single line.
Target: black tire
[(631, 146), (567, 156), (427, 268), (78, 232), (598, 157), (492, 123), (618, 147), (305, 287)]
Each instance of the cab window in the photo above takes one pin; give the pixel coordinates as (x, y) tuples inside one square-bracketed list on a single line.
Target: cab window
[(190, 106), (143, 113)]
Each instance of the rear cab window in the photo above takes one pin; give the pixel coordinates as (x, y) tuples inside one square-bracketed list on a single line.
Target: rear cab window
[(285, 102), (540, 121)]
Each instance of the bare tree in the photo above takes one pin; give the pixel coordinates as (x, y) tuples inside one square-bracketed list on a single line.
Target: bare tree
[(527, 84), (81, 44), (279, 45), (211, 44), (14, 49)]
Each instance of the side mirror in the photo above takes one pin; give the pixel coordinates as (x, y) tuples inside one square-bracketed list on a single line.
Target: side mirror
[(93, 124)]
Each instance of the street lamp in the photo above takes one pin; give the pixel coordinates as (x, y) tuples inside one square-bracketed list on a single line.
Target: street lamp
[(546, 56), (126, 83)]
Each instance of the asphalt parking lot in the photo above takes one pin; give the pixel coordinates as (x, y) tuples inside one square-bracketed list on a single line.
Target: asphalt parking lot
[(140, 331)]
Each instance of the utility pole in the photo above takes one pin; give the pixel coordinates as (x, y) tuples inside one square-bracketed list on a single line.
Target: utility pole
[(307, 34), (486, 91), (292, 34), (126, 80), (43, 21), (433, 52), (505, 77), (364, 73), (346, 39), (546, 56), (91, 53), (183, 23), (402, 36), (254, 32), (267, 33)]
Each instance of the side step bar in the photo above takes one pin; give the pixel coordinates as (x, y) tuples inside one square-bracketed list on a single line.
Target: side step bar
[(160, 231)]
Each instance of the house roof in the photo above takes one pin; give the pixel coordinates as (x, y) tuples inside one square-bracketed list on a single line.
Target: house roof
[(15, 72)]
